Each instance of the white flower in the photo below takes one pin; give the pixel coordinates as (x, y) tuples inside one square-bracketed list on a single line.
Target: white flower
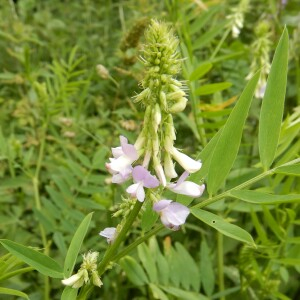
[(142, 178), (89, 265), (109, 233), (172, 214), (77, 280), (185, 161), (187, 188), (120, 165)]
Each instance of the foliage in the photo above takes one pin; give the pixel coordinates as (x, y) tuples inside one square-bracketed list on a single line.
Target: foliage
[(60, 115)]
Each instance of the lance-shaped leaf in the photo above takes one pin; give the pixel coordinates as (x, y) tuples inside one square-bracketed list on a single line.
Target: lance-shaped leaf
[(264, 198), (229, 141), (76, 245), (222, 226), (41, 262), (273, 103)]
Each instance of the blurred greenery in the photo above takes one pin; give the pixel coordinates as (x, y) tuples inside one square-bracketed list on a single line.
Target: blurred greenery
[(60, 113)]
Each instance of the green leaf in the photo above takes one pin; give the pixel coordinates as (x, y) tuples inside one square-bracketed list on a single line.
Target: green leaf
[(189, 270), (157, 292), (205, 157), (206, 269), (273, 103), (228, 144), (76, 245), (293, 170), (148, 262), (263, 198), (273, 224), (200, 71), (212, 88), (184, 295), (41, 262), (134, 271), (5, 291), (149, 217), (222, 226), (69, 293)]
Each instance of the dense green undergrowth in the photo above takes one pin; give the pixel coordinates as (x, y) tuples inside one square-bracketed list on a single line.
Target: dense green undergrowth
[(61, 112)]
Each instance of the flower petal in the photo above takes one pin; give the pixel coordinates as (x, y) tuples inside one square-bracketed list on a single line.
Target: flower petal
[(185, 161), (140, 193), (162, 204), (177, 213), (188, 188), (139, 173), (128, 149)]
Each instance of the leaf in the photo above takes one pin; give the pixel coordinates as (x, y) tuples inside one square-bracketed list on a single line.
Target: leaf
[(157, 292), (205, 157), (228, 144), (293, 170), (263, 198), (75, 245), (5, 291), (222, 226), (200, 71), (148, 262), (149, 217), (69, 293), (190, 273), (206, 269), (273, 103), (41, 262), (212, 88), (134, 271), (183, 295)]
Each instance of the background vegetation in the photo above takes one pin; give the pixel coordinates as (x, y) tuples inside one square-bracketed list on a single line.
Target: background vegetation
[(59, 116)]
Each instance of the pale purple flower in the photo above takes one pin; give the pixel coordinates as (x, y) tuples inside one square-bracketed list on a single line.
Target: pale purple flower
[(172, 214), (142, 178), (120, 165), (185, 161), (187, 188), (109, 233)]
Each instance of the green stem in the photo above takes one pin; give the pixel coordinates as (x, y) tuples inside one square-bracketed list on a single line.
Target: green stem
[(110, 252), (35, 182), (239, 187), (244, 184), (120, 238), (137, 242), (221, 264), (220, 44)]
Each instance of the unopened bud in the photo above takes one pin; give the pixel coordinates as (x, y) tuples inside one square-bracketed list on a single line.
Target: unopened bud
[(102, 72), (179, 106), (169, 166), (156, 117)]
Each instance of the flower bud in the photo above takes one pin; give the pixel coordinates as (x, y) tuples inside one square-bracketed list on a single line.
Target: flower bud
[(102, 71), (156, 117), (179, 106), (169, 166), (159, 171)]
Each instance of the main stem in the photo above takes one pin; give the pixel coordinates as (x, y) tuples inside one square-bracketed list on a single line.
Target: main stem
[(220, 264), (35, 182), (111, 250)]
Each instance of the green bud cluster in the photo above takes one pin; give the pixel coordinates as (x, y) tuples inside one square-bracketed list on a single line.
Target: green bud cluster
[(162, 62), (162, 95)]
